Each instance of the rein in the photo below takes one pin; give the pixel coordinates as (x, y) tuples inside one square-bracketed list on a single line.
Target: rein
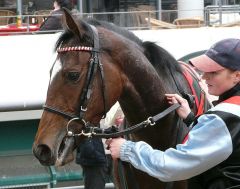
[(113, 132)]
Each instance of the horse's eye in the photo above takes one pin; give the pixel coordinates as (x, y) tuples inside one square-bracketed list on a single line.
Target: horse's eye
[(73, 76)]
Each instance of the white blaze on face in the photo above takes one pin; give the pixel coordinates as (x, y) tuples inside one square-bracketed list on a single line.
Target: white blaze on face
[(56, 68)]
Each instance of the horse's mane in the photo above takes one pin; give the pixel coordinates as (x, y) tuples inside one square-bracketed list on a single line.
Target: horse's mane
[(119, 30), (161, 60), (157, 56)]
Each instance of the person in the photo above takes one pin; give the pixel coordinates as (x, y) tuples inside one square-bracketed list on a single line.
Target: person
[(54, 22), (210, 155), (42, 4), (96, 167), (95, 161)]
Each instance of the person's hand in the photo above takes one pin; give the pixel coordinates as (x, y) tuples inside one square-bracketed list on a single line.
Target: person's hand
[(184, 109), (114, 146)]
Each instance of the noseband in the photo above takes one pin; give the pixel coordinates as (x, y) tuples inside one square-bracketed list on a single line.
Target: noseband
[(94, 64)]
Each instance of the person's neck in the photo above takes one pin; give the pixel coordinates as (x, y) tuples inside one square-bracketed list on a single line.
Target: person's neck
[(231, 92)]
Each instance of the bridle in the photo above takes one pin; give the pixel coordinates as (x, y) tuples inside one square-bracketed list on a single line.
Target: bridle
[(89, 129), (94, 65)]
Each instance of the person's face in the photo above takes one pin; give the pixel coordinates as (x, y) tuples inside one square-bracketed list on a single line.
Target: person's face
[(55, 5), (221, 81)]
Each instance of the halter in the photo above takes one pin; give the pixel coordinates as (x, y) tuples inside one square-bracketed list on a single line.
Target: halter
[(94, 64)]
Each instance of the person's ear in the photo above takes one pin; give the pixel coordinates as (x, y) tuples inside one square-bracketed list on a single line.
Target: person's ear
[(237, 77)]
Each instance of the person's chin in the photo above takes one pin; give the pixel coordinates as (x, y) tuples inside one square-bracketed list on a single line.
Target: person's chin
[(211, 91)]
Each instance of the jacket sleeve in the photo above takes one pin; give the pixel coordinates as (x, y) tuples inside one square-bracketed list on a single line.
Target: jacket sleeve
[(209, 143)]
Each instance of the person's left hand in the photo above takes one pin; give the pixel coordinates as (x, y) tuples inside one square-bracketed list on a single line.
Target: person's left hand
[(184, 110), (114, 145)]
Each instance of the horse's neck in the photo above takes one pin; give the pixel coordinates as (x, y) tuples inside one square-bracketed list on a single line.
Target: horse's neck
[(143, 93)]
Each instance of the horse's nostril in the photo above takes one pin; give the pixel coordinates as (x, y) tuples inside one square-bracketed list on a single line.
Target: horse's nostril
[(44, 154)]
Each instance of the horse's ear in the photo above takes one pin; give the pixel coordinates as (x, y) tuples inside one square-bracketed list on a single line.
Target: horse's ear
[(69, 22)]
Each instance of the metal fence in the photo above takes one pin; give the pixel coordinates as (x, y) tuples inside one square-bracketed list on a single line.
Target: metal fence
[(215, 14), (136, 19)]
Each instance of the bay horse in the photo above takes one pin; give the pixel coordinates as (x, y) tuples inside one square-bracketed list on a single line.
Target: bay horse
[(98, 64)]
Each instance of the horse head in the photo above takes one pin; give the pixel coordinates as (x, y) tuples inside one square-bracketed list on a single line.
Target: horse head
[(79, 91)]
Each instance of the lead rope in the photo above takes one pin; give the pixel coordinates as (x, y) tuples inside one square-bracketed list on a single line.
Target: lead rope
[(113, 132), (169, 185), (122, 177), (130, 172)]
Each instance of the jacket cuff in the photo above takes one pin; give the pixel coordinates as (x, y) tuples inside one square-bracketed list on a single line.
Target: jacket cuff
[(189, 119), (126, 150)]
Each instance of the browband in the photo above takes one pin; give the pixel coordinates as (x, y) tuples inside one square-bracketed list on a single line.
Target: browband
[(76, 48)]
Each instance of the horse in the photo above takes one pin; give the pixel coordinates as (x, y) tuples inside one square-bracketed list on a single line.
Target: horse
[(97, 65)]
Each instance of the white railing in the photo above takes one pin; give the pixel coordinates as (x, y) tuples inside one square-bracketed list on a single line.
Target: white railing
[(107, 186)]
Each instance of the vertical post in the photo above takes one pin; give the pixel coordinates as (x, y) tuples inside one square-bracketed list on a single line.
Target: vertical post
[(19, 7), (159, 9), (80, 6), (220, 11), (89, 6), (207, 16), (19, 13), (89, 9), (190, 8)]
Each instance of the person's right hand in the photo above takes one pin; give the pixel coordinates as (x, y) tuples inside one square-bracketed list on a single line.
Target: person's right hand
[(184, 109), (114, 145)]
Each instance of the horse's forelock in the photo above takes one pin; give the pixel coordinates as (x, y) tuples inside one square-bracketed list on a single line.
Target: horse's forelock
[(67, 35)]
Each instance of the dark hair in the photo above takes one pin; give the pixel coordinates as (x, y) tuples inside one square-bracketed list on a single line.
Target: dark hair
[(65, 3)]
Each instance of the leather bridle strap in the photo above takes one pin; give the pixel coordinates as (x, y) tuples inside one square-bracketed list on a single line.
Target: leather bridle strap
[(104, 93), (59, 112), (94, 61), (96, 45)]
